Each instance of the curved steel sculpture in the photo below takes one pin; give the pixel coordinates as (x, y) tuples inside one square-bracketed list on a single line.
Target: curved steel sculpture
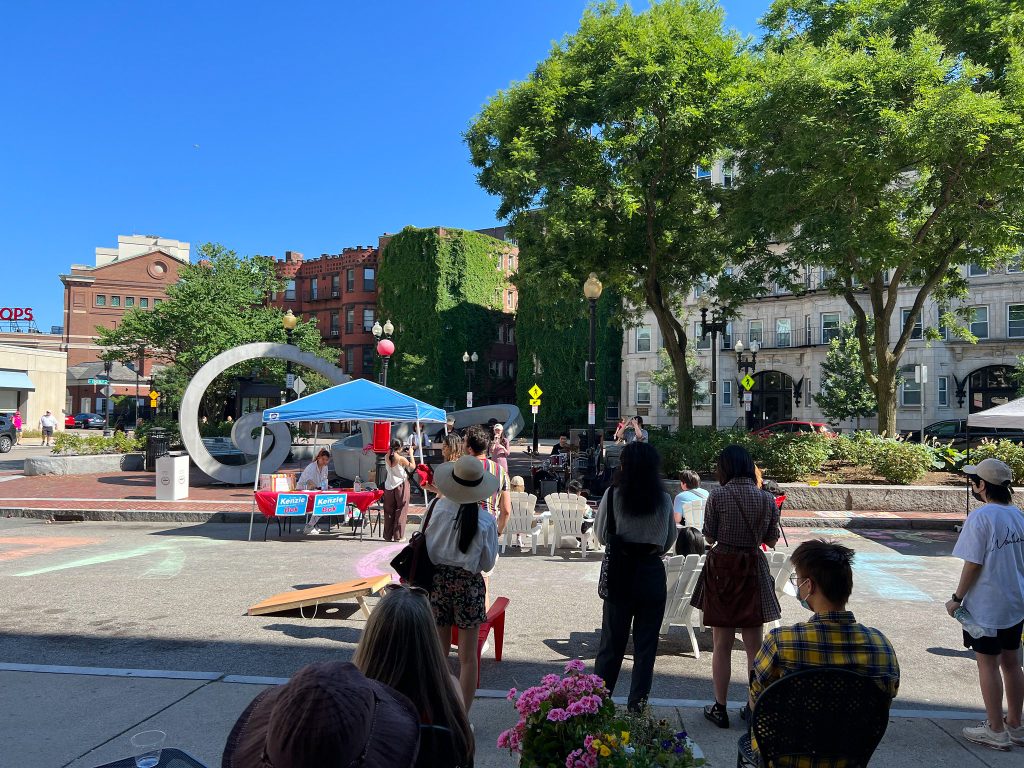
[(241, 433)]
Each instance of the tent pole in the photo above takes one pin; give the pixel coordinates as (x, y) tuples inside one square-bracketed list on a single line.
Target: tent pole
[(256, 482), (419, 440)]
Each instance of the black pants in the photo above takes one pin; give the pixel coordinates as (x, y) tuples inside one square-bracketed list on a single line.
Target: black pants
[(643, 607)]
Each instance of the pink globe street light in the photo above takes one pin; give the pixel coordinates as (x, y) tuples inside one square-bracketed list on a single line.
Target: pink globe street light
[(385, 348)]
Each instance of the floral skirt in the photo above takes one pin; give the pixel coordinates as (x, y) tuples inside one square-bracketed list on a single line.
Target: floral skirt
[(458, 597)]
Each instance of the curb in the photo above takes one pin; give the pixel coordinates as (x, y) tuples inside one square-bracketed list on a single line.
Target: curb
[(841, 520)]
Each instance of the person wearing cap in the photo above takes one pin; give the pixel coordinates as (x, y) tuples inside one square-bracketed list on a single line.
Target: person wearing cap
[(47, 424), (991, 589), (329, 713), (462, 541)]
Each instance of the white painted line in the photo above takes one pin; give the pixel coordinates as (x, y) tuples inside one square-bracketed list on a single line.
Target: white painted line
[(253, 680), (124, 501), (8, 478), (164, 674)]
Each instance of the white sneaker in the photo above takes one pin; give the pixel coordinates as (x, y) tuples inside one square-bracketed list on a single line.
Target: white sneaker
[(1016, 734), (312, 532), (985, 736)]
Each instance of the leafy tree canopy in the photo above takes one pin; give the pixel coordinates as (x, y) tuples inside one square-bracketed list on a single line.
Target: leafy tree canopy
[(845, 394)]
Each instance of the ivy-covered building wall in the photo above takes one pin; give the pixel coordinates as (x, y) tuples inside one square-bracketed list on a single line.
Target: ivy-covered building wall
[(447, 291)]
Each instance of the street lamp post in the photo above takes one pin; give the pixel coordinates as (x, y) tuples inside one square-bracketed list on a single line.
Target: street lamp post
[(289, 321), (470, 370), (747, 364), (592, 291), (714, 326), (108, 366), (385, 348)]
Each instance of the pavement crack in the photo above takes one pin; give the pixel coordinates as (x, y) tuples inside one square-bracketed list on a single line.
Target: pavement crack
[(961, 743), (150, 716)]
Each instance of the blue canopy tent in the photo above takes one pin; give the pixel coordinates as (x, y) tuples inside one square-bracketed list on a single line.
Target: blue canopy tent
[(356, 400)]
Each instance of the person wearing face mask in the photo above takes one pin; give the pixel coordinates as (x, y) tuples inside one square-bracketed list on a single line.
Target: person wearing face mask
[(832, 637)]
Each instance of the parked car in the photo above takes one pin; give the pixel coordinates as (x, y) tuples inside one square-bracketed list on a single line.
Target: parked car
[(69, 421), (89, 421), (794, 427), (8, 435), (956, 430)]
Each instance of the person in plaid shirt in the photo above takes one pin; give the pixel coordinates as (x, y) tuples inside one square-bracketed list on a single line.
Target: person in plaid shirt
[(832, 637)]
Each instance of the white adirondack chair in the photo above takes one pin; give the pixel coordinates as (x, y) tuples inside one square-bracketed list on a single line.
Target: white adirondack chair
[(780, 567), (522, 521), (681, 573), (693, 511), (567, 511)]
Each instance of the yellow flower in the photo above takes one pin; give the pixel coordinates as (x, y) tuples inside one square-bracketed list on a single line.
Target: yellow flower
[(625, 737), (596, 743), (605, 751)]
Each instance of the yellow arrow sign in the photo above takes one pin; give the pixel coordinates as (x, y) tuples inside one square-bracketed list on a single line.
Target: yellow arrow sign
[(535, 401), (535, 392), (747, 382)]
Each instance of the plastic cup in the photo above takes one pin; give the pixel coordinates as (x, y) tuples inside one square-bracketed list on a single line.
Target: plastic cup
[(147, 746)]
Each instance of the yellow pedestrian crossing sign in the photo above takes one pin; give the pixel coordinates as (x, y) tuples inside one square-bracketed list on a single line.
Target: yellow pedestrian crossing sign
[(747, 382), (535, 401), (535, 393)]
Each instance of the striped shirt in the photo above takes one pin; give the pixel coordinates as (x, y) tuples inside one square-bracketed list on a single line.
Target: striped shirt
[(832, 639), (491, 503)]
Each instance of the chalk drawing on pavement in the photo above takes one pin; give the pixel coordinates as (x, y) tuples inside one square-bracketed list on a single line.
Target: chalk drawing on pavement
[(171, 554), (378, 562), (15, 547)]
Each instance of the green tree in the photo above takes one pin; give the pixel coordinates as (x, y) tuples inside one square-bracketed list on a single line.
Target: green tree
[(594, 156), (218, 303), (665, 378), (845, 393), (880, 151)]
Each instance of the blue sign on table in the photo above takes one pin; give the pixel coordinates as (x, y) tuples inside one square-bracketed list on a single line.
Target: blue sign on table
[(330, 503), (290, 505)]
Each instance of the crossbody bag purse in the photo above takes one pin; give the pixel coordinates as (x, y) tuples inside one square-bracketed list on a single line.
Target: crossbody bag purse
[(413, 563)]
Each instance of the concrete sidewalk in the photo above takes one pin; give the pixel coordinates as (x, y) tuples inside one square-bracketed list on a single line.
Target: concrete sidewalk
[(65, 717)]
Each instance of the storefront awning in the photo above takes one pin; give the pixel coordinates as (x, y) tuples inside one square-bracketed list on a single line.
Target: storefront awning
[(18, 380)]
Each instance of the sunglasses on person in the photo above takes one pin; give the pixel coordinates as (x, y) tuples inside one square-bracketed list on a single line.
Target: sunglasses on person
[(395, 586)]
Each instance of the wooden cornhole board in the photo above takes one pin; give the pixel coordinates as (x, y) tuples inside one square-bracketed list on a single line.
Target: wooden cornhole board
[(329, 593)]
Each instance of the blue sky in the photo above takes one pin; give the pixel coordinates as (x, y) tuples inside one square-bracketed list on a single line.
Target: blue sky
[(265, 126)]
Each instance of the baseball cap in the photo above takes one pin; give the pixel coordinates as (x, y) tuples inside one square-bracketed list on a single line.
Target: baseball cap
[(992, 471)]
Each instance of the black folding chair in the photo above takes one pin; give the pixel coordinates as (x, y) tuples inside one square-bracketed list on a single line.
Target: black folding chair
[(826, 713)]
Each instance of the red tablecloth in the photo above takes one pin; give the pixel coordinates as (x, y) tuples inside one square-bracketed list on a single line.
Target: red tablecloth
[(267, 500)]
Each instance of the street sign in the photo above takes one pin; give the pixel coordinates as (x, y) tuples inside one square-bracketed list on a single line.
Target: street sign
[(107, 391), (591, 414), (298, 386), (535, 402), (747, 382), (920, 374), (289, 380), (469, 399), (535, 392), (747, 397), (746, 407), (99, 381), (535, 410)]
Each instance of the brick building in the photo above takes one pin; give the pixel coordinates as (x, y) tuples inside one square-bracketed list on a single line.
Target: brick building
[(135, 274)]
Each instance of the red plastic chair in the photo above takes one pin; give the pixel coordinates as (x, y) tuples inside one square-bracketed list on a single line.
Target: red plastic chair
[(779, 501), (495, 620)]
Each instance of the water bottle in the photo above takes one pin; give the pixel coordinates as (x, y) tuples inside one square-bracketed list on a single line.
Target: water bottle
[(357, 484), (962, 615)]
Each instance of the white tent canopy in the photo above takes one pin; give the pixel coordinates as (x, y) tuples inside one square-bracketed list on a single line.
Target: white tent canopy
[(1008, 416)]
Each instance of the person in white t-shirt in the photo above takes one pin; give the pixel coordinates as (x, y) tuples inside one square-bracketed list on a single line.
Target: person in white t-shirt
[(991, 589)]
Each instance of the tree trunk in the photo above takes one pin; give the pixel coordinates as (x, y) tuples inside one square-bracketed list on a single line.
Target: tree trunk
[(886, 395), (675, 345)]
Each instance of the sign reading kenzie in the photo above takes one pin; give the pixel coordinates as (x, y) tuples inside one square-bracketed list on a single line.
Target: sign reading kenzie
[(16, 313)]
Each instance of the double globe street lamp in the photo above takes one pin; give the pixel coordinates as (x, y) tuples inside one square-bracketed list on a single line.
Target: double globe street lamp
[(470, 370), (289, 321), (385, 347)]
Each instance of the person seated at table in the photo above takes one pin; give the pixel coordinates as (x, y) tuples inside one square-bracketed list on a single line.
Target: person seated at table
[(562, 446), (690, 490), (329, 713), (314, 476), (400, 648)]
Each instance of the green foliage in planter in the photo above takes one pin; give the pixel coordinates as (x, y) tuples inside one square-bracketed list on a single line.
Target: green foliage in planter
[(444, 291), (1006, 451), (68, 444), (697, 448), (900, 462), (854, 449), (788, 458)]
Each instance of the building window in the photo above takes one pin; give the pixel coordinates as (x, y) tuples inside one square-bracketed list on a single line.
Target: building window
[(350, 320), (501, 369), (510, 297), (643, 338), (511, 335), (101, 300), (334, 325), (511, 369), (1015, 265), (289, 290), (976, 270), (157, 302), (144, 303), (699, 290), (701, 342), (350, 280), (727, 392), (755, 331), (979, 322), (492, 368), (703, 173), (918, 331), (501, 333), (783, 332), (643, 393), (943, 390), (368, 320), (728, 175), (369, 279), (727, 336), (129, 301), (313, 289), (829, 326), (350, 360), (335, 286), (367, 360), (1015, 321), (115, 301), (910, 393)]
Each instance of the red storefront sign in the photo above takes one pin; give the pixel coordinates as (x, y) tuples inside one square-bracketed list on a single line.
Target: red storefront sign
[(16, 313)]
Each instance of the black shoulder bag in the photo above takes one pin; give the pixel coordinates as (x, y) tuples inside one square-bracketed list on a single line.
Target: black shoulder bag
[(612, 564), (413, 563)]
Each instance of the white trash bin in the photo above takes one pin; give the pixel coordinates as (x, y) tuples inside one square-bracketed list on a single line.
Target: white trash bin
[(172, 478)]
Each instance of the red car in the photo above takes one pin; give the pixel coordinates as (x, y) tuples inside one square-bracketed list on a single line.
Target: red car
[(69, 421), (794, 427)]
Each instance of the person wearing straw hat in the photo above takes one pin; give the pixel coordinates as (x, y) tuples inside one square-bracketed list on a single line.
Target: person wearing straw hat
[(329, 713), (991, 590), (462, 541)]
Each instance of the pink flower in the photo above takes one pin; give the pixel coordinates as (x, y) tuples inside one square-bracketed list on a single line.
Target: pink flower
[(511, 694), (574, 665), (557, 715)]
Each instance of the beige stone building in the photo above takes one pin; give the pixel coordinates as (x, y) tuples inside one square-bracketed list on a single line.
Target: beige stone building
[(33, 377)]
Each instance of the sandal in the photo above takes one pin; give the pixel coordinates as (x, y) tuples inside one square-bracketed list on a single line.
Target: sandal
[(716, 714), (745, 713)]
